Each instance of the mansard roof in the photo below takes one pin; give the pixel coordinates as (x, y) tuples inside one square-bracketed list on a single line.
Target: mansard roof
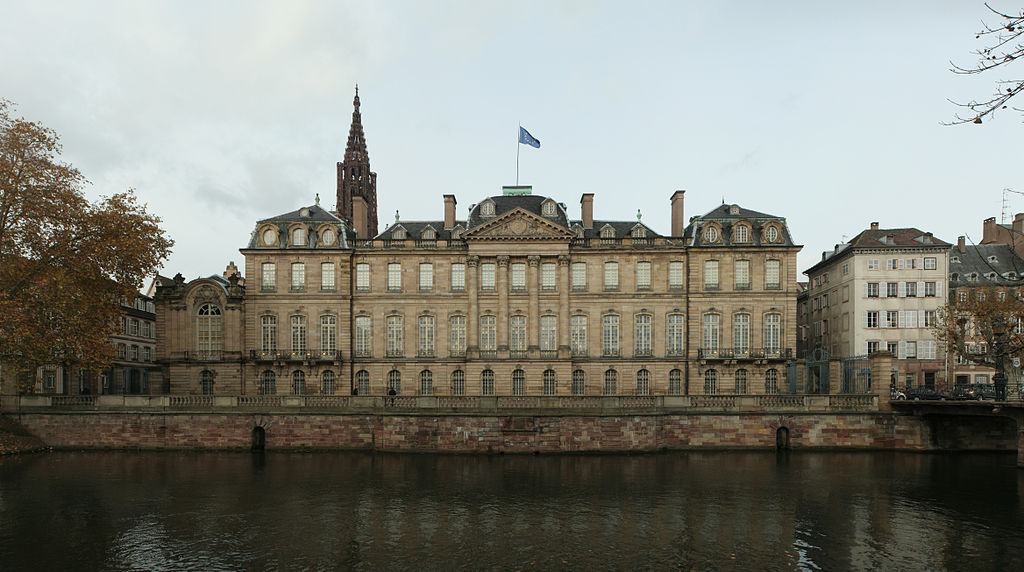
[(622, 228), (895, 238), (312, 217), (976, 265), (316, 213), (726, 217), (414, 229)]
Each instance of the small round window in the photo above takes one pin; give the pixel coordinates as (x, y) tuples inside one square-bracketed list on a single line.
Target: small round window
[(327, 236), (269, 237), (711, 234), (771, 234)]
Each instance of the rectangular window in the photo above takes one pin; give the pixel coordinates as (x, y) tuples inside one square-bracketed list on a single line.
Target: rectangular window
[(675, 275), (910, 263), (872, 289), (267, 278), (578, 335), (363, 340), (457, 344), (579, 275), (711, 274), (268, 333), (426, 336), (642, 335), (846, 268), (548, 333), (929, 263), (133, 353), (741, 334), (487, 273), (517, 334), (488, 337), (298, 276), (327, 276), (929, 319), (911, 289), (873, 264), (643, 275), (893, 348), (611, 275), (147, 354), (772, 333), (676, 334), (458, 277), (518, 271), (911, 349), (892, 289), (742, 272), (298, 334), (872, 347), (395, 336), (362, 277), (133, 327), (328, 334), (146, 329), (771, 274), (426, 276), (610, 336), (547, 276), (710, 337), (926, 349), (929, 289), (892, 319), (871, 319), (394, 277)]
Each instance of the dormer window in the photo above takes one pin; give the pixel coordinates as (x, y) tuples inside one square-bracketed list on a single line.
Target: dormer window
[(398, 233), (711, 234), (577, 230), (457, 233), (771, 234), (973, 276), (991, 276), (328, 236), (993, 259), (1011, 275), (299, 237), (639, 232), (269, 237), (734, 210), (741, 233), (487, 209), (954, 276), (607, 232), (428, 234), (548, 209), (955, 260)]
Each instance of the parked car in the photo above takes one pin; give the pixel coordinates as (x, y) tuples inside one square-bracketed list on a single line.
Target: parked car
[(926, 393), (980, 391)]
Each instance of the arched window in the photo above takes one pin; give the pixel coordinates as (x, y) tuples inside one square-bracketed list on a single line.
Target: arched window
[(741, 382), (740, 234), (771, 381), (208, 332), (458, 382), (643, 382), (268, 333), (487, 382), (710, 382), (578, 382), (772, 331), (327, 383), (549, 382), (269, 383), (298, 382), (675, 383), (426, 382), (206, 381), (710, 341), (611, 378), (518, 382), (363, 382), (395, 381), (299, 237)]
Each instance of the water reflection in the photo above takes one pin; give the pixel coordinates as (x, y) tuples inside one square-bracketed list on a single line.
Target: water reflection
[(348, 510)]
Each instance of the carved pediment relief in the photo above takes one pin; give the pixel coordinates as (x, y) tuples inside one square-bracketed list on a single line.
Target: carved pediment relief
[(519, 224)]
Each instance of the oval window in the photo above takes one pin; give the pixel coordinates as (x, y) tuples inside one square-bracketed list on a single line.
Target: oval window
[(771, 234), (327, 236), (711, 234), (269, 237)]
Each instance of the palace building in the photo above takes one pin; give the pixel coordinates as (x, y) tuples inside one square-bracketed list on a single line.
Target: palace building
[(521, 297)]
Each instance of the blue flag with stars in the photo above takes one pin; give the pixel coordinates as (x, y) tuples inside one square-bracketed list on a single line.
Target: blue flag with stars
[(526, 139)]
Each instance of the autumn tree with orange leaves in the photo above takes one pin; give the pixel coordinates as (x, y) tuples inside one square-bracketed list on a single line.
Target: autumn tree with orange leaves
[(65, 263)]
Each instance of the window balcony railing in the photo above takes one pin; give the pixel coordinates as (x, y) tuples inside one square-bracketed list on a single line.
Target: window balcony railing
[(548, 354), (579, 353), (515, 354), (488, 354), (642, 352), (425, 353), (745, 353), (610, 352), (457, 353)]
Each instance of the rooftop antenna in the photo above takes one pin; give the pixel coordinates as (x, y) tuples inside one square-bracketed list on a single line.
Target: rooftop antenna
[(1006, 204)]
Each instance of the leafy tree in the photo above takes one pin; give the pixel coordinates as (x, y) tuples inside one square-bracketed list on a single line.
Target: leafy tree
[(65, 263), (1004, 45), (984, 325)]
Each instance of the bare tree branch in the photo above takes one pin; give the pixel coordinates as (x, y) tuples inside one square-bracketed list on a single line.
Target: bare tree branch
[(1005, 45)]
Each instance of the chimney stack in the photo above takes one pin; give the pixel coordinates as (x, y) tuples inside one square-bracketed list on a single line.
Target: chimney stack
[(677, 213), (359, 217), (587, 206), (874, 226), (960, 244), (1018, 222), (449, 212), (988, 231)]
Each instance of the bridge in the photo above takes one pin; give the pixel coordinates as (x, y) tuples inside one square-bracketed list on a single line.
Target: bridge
[(967, 425)]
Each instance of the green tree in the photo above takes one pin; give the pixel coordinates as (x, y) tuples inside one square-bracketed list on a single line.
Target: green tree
[(1004, 44), (65, 263)]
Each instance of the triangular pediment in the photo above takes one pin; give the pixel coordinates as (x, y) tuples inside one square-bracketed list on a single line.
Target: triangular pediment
[(519, 224)]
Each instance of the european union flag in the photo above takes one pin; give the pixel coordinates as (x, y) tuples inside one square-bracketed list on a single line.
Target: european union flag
[(526, 139)]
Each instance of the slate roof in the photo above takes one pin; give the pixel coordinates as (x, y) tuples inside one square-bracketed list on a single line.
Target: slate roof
[(895, 238), (726, 218), (982, 261), (317, 216), (529, 203), (414, 228)]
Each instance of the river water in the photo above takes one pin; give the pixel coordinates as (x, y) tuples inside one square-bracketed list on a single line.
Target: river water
[(689, 511)]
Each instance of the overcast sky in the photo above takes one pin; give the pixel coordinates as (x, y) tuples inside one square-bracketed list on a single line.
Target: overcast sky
[(223, 113)]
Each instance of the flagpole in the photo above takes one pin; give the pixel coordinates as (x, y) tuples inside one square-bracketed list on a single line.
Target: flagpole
[(517, 154)]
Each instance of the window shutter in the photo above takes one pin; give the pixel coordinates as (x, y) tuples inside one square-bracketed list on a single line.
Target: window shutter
[(920, 289), (883, 290), (901, 319), (864, 319), (883, 319), (901, 264), (901, 349), (901, 289), (938, 289), (865, 352), (865, 289)]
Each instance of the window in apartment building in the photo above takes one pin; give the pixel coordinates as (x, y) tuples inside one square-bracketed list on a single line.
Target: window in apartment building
[(611, 380), (872, 347), (517, 333), (771, 274), (133, 353), (395, 336), (962, 296), (579, 275), (363, 341), (518, 271), (426, 276), (426, 336), (578, 335), (327, 276), (457, 342), (929, 319), (298, 276), (675, 275), (929, 289), (328, 334), (929, 263), (873, 264), (892, 319), (643, 275), (892, 264), (362, 277), (394, 277), (675, 335), (741, 334), (298, 324), (872, 289), (911, 289), (487, 382), (710, 337), (742, 274), (611, 275), (458, 277), (892, 289), (547, 276), (871, 319), (147, 354), (488, 333), (910, 349), (910, 263), (846, 268), (267, 277), (610, 335), (642, 335), (487, 273), (711, 274), (892, 347), (548, 333)]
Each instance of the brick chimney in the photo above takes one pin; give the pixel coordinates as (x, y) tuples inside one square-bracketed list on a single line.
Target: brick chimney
[(874, 226), (677, 213), (587, 206), (1018, 222), (359, 217), (449, 211), (988, 231), (961, 244)]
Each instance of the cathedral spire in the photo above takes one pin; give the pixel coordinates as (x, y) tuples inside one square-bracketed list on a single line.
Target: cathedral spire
[(355, 178)]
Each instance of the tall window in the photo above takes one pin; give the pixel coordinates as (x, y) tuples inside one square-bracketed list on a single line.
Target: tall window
[(611, 380), (642, 335), (549, 382), (395, 381), (771, 274), (298, 334), (298, 276), (268, 333), (363, 336), (328, 334), (711, 274), (611, 275), (675, 383), (426, 276), (327, 383), (547, 276), (426, 337), (741, 382), (548, 333), (610, 335), (488, 334), (771, 381), (710, 382), (208, 331), (457, 343), (643, 275), (268, 277), (578, 335), (487, 274), (742, 272), (872, 289), (871, 319), (298, 382), (643, 382), (299, 237), (206, 382), (458, 277), (578, 382), (741, 334), (518, 382), (268, 382), (892, 289), (363, 382), (740, 234), (363, 277), (426, 382), (518, 276), (676, 334), (458, 382), (395, 338), (394, 277), (579, 275), (710, 340), (517, 331), (327, 276), (487, 382), (675, 275), (772, 332)]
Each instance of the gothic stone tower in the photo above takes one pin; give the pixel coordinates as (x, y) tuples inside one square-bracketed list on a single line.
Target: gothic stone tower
[(355, 178)]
